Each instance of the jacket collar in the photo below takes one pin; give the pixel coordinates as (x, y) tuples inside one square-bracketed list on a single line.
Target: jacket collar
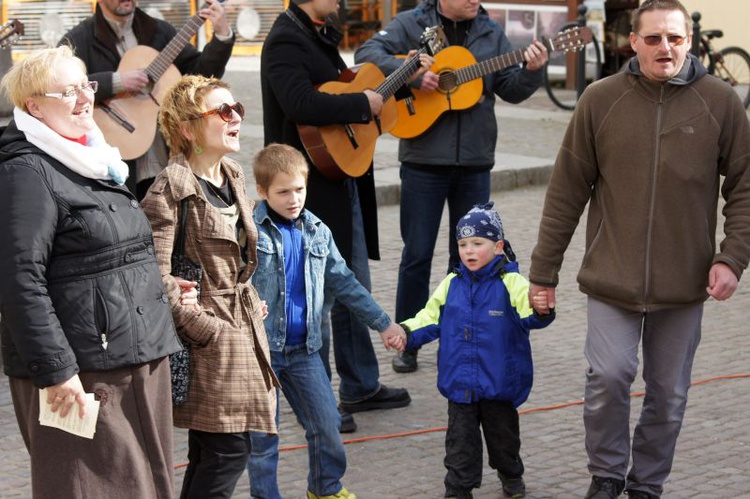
[(691, 71), (328, 34), (183, 183), (144, 27)]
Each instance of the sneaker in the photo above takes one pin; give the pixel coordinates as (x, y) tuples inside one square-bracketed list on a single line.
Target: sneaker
[(341, 494), (604, 488), (640, 494), (512, 487), (404, 362), (348, 425), (385, 398)]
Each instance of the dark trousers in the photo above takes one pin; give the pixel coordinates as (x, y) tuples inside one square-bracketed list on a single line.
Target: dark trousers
[(463, 442), (216, 461)]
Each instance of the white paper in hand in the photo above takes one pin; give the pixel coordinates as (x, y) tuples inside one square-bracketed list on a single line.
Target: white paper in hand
[(71, 423)]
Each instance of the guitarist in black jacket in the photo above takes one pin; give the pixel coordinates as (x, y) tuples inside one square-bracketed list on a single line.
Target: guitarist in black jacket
[(117, 26)]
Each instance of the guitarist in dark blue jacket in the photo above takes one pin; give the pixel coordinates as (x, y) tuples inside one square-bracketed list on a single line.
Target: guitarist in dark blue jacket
[(451, 161), (116, 27)]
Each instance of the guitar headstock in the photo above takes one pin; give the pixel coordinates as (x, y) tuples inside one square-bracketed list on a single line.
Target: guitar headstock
[(433, 40), (10, 32), (573, 39)]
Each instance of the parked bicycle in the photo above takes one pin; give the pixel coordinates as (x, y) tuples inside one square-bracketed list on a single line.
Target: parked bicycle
[(560, 79), (731, 64)]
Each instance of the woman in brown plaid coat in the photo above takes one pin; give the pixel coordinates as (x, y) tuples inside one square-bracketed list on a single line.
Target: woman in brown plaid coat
[(232, 385)]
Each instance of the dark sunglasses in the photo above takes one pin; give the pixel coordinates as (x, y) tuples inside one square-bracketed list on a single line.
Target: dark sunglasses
[(654, 40), (225, 112)]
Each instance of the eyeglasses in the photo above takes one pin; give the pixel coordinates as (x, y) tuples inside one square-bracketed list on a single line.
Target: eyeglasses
[(91, 86), (654, 40), (225, 112)]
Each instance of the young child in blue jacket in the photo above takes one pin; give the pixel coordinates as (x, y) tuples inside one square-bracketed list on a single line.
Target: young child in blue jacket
[(298, 265), (482, 315)]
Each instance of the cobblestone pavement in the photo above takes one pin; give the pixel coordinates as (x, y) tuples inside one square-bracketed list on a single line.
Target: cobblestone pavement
[(399, 453)]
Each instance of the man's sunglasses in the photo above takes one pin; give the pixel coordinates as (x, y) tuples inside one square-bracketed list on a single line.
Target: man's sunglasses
[(225, 112), (654, 40)]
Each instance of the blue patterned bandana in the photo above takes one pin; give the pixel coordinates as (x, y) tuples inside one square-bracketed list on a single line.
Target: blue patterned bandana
[(481, 221)]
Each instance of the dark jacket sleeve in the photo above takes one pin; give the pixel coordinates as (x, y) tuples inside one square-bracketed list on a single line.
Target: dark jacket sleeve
[(211, 61), (28, 225)]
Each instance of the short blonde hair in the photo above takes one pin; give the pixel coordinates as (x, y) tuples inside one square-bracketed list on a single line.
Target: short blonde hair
[(36, 74), (186, 99), (278, 158)]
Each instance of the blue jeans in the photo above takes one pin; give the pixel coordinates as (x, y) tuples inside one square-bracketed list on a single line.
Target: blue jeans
[(356, 361), (308, 390), (423, 195)]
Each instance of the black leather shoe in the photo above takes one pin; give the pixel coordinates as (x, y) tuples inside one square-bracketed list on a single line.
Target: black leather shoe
[(640, 494), (405, 362), (385, 398), (348, 425), (604, 488)]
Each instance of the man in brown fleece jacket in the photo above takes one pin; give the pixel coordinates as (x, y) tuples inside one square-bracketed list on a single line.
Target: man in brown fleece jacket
[(647, 149)]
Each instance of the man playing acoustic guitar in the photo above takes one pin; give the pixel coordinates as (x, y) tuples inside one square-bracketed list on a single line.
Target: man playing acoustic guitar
[(452, 160), (104, 40)]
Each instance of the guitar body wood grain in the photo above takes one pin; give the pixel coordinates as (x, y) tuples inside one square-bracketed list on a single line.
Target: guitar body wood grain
[(138, 109), (428, 106), (333, 151)]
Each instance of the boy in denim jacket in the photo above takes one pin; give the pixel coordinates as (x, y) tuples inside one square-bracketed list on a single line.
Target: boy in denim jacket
[(298, 264), (482, 315)]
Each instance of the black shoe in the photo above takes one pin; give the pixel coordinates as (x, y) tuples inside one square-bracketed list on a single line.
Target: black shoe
[(604, 488), (385, 398), (348, 425), (512, 487), (640, 494), (458, 494), (405, 362)]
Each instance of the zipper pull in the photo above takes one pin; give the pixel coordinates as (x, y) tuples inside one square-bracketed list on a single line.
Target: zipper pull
[(104, 341)]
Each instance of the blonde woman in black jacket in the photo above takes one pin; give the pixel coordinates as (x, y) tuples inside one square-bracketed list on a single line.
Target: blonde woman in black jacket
[(82, 302)]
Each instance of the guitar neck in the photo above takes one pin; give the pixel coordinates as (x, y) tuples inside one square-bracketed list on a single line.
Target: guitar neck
[(493, 65), (397, 79), (166, 57)]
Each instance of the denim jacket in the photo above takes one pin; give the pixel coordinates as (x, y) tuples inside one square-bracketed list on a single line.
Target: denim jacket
[(326, 273)]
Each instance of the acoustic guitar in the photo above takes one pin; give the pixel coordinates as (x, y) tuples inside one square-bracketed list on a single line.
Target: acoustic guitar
[(341, 151), (128, 120), (10, 33), (460, 84)]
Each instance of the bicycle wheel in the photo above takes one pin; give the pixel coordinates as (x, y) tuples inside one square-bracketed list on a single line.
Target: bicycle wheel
[(556, 75), (733, 66)]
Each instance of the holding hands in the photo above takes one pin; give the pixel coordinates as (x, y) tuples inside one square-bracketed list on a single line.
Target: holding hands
[(394, 337), (542, 298)]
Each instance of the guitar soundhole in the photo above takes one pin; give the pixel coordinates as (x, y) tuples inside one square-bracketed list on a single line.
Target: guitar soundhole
[(448, 82)]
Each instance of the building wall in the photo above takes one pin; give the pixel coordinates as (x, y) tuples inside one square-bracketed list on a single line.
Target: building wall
[(730, 16)]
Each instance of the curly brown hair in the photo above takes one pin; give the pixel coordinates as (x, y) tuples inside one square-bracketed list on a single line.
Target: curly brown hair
[(185, 100)]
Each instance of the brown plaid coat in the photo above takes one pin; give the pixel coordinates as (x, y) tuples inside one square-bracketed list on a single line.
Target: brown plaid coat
[(232, 385)]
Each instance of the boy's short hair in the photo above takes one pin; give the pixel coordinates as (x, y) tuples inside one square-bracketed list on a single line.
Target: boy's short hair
[(278, 158), (650, 5)]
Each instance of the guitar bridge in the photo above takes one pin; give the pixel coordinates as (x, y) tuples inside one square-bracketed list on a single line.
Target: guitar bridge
[(118, 118), (350, 135)]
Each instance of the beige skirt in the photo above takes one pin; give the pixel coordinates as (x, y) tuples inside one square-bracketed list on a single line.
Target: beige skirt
[(131, 453)]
